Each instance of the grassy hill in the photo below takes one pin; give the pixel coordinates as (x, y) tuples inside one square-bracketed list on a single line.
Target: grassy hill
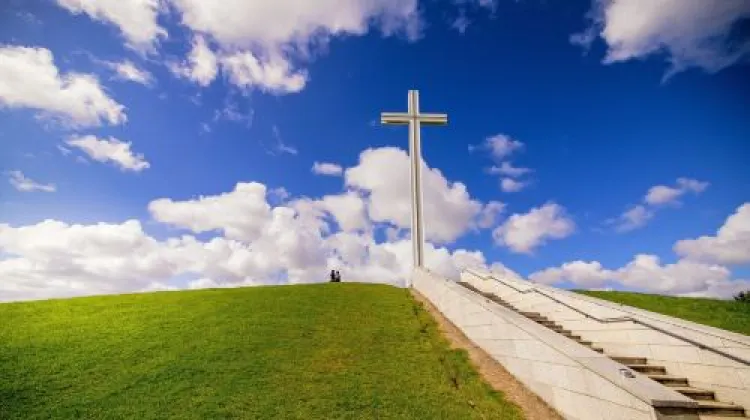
[(725, 314), (306, 352)]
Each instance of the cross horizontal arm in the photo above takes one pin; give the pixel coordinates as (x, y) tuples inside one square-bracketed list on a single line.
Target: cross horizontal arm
[(433, 119), (394, 118)]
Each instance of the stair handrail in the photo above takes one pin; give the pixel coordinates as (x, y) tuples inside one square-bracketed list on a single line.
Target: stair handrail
[(623, 319)]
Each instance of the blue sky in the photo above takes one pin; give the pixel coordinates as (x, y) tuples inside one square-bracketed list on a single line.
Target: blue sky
[(599, 123)]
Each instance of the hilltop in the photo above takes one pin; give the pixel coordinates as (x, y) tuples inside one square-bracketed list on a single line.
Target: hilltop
[(309, 351)]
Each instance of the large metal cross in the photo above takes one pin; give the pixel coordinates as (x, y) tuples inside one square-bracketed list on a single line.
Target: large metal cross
[(414, 119)]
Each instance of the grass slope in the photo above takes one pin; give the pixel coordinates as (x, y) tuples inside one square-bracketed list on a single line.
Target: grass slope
[(306, 352), (725, 314)]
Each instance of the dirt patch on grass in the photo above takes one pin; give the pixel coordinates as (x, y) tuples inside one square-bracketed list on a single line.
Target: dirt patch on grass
[(534, 408)]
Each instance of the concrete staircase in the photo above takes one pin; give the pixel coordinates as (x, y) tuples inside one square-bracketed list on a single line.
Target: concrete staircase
[(708, 408)]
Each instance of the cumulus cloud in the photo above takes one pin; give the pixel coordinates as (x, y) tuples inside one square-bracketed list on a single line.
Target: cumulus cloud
[(20, 182), (448, 209), (30, 79), (632, 219), (239, 214), (511, 185), (136, 19), (490, 214), (348, 209), (730, 245), (273, 75), (662, 194), (297, 23), (201, 66), (256, 42), (647, 273), (126, 70), (325, 168), (659, 195), (522, 233), (261, 244), (700, 271), (581, 273), (499, 146), (691, 33), (110, 150)]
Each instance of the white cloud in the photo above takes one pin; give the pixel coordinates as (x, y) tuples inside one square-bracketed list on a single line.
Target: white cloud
[(662, 194), (522, 233), (54, 259), (201, 66), (136, 19), (507, 169), (449, 211), (262, 244), (490, 214), (29, 79), (692, 33), (349, 210), (110, 150), (240, 214), (272, 75), (511, 185), (294, 23), (20, 182), (632, 219), (639, 215), (325, 168), (647, 273), (126, 70), (256, 43), (499, 146), (730, 245), (581, 273)]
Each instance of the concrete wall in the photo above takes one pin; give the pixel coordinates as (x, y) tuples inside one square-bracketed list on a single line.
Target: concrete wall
[(578, 382), (696, 361)]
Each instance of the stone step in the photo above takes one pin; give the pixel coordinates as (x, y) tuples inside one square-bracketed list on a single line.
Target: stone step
[(720, 409), (530, 314), (644, 368), (598, 349), (585, 343), (571, 336), (669, 379), (538, 319), (695, 393), (714, 417), (625, 360)]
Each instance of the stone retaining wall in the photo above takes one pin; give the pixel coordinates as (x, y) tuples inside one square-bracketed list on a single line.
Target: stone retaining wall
[(686, 349), (576, 381)]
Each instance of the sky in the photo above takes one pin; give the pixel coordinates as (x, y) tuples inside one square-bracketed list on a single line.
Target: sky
[(170, 144)]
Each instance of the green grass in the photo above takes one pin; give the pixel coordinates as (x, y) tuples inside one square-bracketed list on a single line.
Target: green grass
[(725, 314), (323, 351)]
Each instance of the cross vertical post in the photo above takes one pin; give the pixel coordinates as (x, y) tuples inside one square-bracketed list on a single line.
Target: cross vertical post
[(415, 153), (414, 119)]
